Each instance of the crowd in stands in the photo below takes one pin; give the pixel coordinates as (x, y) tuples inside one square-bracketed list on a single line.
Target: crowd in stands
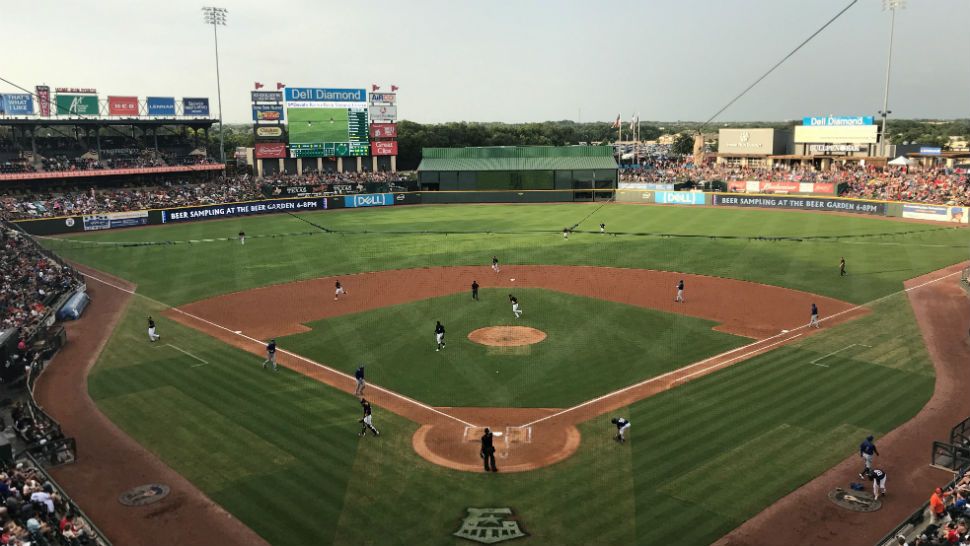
[(34, 513), (62, 163), (29, 281), (940, 186)]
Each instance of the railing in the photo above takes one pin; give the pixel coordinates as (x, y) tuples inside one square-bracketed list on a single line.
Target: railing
[(99, 538)]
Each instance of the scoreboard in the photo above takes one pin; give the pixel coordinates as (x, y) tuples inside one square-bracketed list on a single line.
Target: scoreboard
[(327, 122)]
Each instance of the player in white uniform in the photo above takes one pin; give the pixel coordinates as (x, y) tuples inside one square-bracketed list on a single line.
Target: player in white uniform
[(680, 292), (622, 426), (495, 264), (878, 482), (516, 310), (152, 336), (339, 291)]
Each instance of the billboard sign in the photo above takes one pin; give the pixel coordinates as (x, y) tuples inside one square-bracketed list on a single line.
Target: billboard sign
[(267, 96), (929, 150), (324, 94), (267, 112), (383, 130), (195, 107), (275, 132), (93, 222), (803, 203), (76, 105), (266, 150), (44, 100), (327, 122), (936, 213), (837, 121), (160, 106), (122, 106), (369, 200), (859, 134), (205, 212), (679, 197), (82, 90), (383, 147), (16, 104), (383, 113), (383, 98), (746, 141)]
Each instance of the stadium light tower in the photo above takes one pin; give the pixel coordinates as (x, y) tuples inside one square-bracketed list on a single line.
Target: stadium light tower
[(216, 17), (892, 6)]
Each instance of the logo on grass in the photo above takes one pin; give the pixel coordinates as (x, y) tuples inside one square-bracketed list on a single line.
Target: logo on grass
[(489, 525)]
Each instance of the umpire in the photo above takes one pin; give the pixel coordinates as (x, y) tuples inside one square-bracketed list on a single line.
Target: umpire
[(488, 451)]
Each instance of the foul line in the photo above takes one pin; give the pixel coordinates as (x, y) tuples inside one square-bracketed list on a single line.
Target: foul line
[(299, 357), (726, 353), (837, 352), (189, 354)]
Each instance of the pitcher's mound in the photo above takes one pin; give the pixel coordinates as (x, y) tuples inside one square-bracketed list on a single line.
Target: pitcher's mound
[(507, 336)]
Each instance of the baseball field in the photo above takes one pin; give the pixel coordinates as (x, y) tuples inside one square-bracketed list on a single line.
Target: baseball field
[(733, 402)]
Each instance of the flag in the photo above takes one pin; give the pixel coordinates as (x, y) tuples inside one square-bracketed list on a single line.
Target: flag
[(394, 88), (280, 86), (374, 87), (258, 85), (633, 122), (616, 124)]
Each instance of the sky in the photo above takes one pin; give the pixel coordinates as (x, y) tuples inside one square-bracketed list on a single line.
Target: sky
[(510, 61)]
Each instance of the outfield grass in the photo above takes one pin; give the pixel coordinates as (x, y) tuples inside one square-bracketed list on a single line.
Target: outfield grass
[(880, 253), (281, 452), (593, 347)]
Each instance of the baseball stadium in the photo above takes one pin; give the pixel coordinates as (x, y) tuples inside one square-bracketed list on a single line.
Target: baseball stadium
[(570, 342)]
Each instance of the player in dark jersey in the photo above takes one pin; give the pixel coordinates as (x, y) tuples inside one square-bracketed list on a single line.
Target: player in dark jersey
[(366, 420), (475, 290), (271, 355), (152, 336), (622, 426), (439, 335)]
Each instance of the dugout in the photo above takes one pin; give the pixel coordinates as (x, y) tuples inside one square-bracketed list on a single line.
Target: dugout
[(573, 168)]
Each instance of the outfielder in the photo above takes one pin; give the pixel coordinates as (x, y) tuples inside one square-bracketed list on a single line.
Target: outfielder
[(622, 426), (495, 264), (602, 228), (339, 291), (271, 355), (516, 310), (565, 233), (242, 237), (814, 320), (359, 376), (366, 420), (680, 292), (152, 336), (842, 267), (439, 335)]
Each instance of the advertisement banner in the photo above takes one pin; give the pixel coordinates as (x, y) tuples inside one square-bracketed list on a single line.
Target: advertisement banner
[(319, 94), (383, 98), (43, 100), (195, 107), (111, 220), (680, 197), (267, 112), (265, 150), (383, 147), (369, 200), (383, 130), (383, 113), (206, 212), (801, 203), (780, 187), (16, 104), (122, 106), (929, 150), (645, 186), (755, 186), (267, 96), (288, 191), (837, 121), (269, 132), (635, 196), (160, 106), (746, 141), (850, 134), (76, 105), (936, 213)]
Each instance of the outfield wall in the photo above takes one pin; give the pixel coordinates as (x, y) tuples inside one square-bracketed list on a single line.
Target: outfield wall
[(869, 207)]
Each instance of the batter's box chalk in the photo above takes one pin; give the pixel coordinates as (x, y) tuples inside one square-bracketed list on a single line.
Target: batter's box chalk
[(473, 434), (519, 435)]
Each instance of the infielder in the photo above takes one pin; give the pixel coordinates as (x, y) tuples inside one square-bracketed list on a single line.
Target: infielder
[(271, 355), (366, 421), (339, 291), (680, 292), (622, 426), (359, 376), (516, 310), (152, 336), (439, 335), (495, 264), (878, 482), (866, 450), (475, 290), (814, 320)]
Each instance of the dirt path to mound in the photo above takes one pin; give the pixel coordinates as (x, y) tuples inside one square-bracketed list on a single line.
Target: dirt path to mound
[(806, 516), (109, 461), (531, 438)]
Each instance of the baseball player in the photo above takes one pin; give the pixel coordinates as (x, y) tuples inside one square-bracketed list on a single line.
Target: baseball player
[(495, 264), (516, 310), (152, 336), (242, 237), (842, 267), (866, 450), (488, 451), (439, 335), (565, 233), (680, 292), (814, 321), (339, 291), (359, 376), (271, 355), (475, 290), (878, 482), (366, 421), (622, 426), (602, 228)]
